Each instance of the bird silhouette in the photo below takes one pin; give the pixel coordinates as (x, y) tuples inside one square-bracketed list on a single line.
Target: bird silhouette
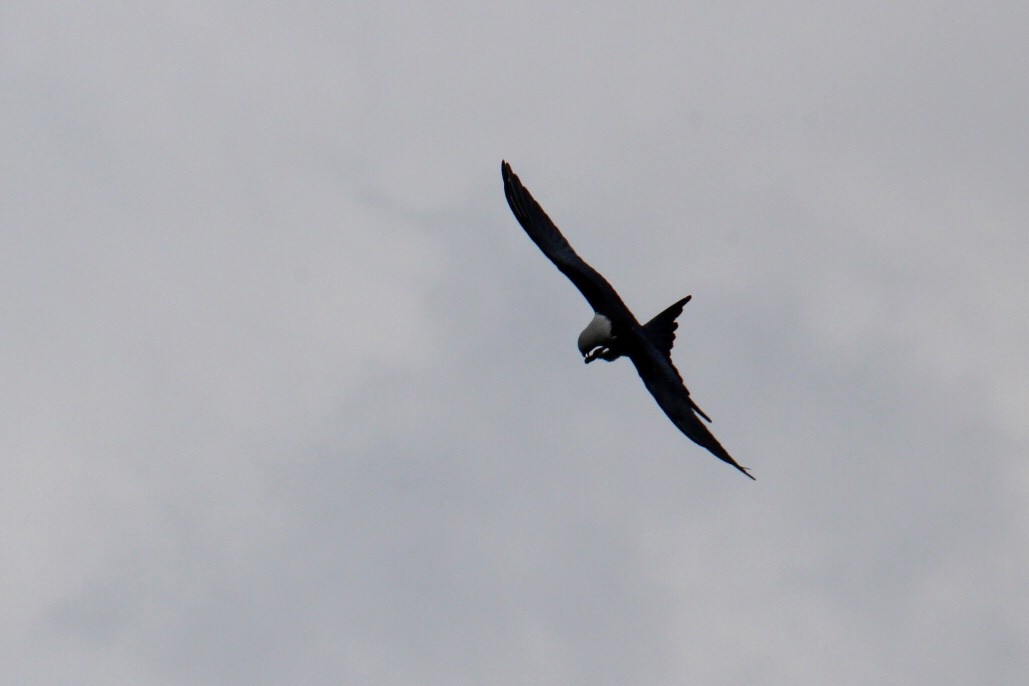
[(614, 331)]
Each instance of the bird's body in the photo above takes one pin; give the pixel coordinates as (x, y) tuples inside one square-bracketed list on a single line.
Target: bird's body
[(614, 331)]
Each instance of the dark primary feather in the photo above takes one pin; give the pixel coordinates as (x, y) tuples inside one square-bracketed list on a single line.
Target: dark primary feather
[(545, 234), (665, 384), (649, 347)]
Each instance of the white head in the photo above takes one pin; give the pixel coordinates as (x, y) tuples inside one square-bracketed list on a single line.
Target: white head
[(596, 339)]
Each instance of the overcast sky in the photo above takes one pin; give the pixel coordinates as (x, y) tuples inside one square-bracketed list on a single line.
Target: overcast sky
[(290, 398)]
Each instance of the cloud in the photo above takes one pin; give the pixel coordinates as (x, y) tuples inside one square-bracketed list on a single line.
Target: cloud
[(290, 396)]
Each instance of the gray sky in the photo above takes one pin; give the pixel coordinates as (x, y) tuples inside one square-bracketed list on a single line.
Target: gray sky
[(289, 397)]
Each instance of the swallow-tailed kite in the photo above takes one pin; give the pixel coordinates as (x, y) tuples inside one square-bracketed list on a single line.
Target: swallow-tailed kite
[(614, 331)]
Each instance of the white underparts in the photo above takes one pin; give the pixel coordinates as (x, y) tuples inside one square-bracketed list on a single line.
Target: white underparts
[(597, 334)]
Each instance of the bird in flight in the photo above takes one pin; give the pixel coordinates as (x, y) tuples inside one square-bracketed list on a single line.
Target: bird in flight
[(614, 331)]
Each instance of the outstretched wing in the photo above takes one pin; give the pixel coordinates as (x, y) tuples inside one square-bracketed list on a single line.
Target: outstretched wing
[(597, 291), (664, 383)]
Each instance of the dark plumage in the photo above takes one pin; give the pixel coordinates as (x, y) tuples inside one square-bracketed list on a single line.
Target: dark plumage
[(614, 331)]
